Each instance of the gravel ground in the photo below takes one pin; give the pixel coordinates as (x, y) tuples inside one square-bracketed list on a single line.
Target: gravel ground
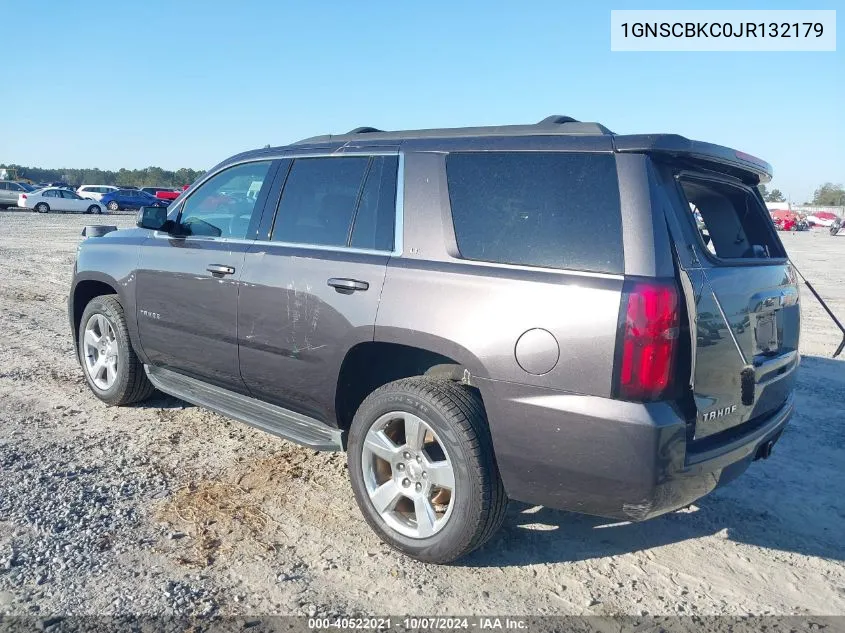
[(167, 508)]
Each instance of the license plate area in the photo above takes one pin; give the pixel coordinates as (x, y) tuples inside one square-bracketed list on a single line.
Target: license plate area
[(766, 333)]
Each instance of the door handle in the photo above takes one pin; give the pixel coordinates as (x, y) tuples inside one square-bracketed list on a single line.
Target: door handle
[(219, 270), (347, 286)]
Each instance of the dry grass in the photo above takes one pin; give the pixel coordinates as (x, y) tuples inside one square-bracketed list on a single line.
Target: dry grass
[(218, 516)]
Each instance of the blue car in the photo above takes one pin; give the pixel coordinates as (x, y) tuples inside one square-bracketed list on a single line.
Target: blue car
[(131, 199)]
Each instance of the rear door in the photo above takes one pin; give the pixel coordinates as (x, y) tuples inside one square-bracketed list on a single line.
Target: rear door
[(742, 296), (311, 288), (6, 194)]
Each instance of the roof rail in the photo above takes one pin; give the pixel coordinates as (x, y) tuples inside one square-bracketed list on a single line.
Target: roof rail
[(364, 130), (557, 119)]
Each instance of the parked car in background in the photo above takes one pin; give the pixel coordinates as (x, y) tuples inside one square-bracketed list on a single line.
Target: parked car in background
[(154, 190), (60, 184), (171, 194), (9, 192), (130, 199), (822, 218), (163, 193), (95, 192), (785, 223), (58, 199)]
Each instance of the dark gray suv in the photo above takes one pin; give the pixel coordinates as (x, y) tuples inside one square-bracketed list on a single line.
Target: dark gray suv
[(551, 313)]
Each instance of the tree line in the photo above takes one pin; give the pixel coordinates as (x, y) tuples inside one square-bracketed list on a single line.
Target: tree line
[(147, 177), (826, 195)]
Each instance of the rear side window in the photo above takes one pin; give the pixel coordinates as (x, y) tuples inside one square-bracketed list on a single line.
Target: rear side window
[(340, 201), (730, 221), (557, 210)]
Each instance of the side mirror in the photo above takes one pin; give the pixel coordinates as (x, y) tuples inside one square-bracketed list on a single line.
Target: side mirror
[(151, 218)]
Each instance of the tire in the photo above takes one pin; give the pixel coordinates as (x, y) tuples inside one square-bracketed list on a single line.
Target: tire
[(42, 207), (94, 209), (130, 383), (456, 418), (113, 206)]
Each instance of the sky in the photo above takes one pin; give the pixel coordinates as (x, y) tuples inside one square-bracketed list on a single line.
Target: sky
[(99, 83)]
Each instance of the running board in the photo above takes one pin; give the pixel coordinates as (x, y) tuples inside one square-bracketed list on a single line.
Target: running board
[(267, 417)]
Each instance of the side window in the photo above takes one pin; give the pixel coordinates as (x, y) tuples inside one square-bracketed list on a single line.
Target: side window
[(552, 209), (224, 204), (376, 217), (319, 200), (4, 186), (52, 193)]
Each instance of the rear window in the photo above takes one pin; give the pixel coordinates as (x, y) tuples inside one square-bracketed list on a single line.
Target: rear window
[(557, 210), (730, 221)]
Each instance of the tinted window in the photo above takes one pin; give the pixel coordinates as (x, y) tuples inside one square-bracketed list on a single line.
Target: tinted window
[(52, 193), (4, 186), (559, 210), (319, 200), (224, 204), (376, 215)]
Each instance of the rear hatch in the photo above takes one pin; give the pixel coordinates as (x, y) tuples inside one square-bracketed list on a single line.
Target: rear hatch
[(740, 291)]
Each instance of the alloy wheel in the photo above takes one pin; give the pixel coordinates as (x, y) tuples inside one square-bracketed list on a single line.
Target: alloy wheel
[(408, 475), (101, 352)]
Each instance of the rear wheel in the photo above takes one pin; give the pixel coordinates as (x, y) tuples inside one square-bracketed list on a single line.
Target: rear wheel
[(423, 471), (42, 207), (113, 206), (112, 369)]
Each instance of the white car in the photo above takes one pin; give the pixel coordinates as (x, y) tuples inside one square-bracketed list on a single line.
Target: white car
[(825, 222), (95, 192), (56, 199)]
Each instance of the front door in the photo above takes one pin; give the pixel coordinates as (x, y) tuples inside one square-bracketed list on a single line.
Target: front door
[(71, 201), (310, 293), (187, 284)]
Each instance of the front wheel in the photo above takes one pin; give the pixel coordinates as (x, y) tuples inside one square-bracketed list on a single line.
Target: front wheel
[(113, 206), (112, 369), (423, 471)]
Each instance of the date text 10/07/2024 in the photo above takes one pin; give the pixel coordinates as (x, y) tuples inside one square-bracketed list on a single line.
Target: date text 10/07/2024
[(420, 623)]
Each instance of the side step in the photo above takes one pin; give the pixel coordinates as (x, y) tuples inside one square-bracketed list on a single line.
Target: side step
[(267, 417)]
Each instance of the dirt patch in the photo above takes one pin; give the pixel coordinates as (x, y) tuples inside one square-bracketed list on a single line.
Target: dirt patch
[(218, 516)]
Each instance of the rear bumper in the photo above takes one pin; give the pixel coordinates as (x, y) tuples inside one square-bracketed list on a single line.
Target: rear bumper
[(609, 458)]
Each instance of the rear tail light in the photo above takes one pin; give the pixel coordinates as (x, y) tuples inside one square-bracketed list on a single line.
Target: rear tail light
[(648, 340), (23, 195)]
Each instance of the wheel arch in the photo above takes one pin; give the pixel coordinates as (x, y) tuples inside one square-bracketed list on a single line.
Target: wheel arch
[(89, 285), (372, 364)]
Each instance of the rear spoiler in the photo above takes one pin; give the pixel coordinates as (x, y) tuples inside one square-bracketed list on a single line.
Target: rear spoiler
[(744, 166)]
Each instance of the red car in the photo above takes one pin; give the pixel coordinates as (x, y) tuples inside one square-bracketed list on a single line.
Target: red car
[(165, 193)]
